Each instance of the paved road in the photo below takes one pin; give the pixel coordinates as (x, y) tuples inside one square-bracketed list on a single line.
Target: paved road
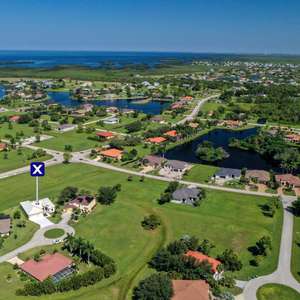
[(39, 239), (57, 158), (196, 110), (82, 157), (283, 274)]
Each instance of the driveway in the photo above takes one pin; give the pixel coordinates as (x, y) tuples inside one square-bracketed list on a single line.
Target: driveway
[(41, 221)]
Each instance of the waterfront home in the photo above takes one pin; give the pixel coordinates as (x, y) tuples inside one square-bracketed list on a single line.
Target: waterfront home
[(200, 257), (156, 140), (230, 123), (171, 133), (187, 196), (153, 161), (157, 119), (259, 176), (112, 153), (190, 290), (5, 225), (176, 166), (288, 180), (85, 203), (66, 127), (55, 266), (227, 174)]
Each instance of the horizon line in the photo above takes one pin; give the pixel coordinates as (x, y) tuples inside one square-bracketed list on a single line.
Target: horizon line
[(154, 51)]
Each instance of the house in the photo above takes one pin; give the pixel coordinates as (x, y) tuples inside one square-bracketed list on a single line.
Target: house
[(111, 121), (259, 176), (227, 174), (66, 127), (105, 135), (85, 203), (288, 180), (171, 133), (190, 290), (38, 208), (293, 138), (200, 257), (112, 153), (186, 196), (14, 118), (5, 224), (176, 166), (157, 119), (194, 125), (153, 161), (55, 266), (231, 123), (156, 140), (3, 146), (186, 98)]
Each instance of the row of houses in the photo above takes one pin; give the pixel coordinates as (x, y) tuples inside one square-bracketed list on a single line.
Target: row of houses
[(258, 176)]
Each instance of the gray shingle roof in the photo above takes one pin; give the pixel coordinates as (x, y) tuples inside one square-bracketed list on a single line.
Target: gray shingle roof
[(228, 172), (186, 193)]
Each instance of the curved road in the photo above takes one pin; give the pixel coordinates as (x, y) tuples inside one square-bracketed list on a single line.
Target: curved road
[(283, 274), (39, 239)]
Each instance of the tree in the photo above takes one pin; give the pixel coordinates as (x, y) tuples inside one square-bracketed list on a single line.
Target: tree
[(17, 214), (156, 286), (263, 245), (230, 261), (67, 157), (296, 207), (134, 126), (151, 222), (67, 194), (206, 246), (107, 195)]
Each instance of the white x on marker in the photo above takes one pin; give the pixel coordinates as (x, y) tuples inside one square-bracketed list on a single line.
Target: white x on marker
[(37, 170)]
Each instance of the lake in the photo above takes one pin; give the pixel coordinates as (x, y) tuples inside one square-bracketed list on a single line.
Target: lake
[(151, 107), (2, 92), (238, 159)]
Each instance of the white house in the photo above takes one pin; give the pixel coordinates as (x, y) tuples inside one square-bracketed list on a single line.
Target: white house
[(43, 207), (66, 127), (111, 120)]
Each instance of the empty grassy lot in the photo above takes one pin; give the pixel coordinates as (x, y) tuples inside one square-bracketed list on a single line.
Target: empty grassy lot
[(296, 249), (277, 292), (229, 220)]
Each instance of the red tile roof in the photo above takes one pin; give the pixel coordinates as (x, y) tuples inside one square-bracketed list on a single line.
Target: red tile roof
[(156, 140), (49, 265), (190, 290), (202, 257), (113, 153), (3, 146), (14, 118), (105, 134), (289, 178), (172, 133)]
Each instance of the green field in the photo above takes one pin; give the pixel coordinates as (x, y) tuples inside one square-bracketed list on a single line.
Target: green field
[(277, 292), (295, 265), (79, 141), (28, 131), (54, 233), (15, 160), (201, 173), (227, 219)]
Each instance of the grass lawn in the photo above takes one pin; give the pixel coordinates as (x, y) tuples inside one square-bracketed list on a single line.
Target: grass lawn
[(15, 160), (18, 235), (227, 219), (54, 233), (277, 292), (201, 173), (210, 106), (295, 265), (79, 141), (4, 130)]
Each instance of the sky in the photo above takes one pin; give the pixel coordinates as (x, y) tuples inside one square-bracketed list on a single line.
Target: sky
[(221, 26)]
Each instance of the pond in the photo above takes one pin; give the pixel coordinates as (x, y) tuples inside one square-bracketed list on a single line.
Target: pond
[(238, 159), (151, 107)]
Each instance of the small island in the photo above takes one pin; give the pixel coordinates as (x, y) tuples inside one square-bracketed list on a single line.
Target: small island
[(207, 152)]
